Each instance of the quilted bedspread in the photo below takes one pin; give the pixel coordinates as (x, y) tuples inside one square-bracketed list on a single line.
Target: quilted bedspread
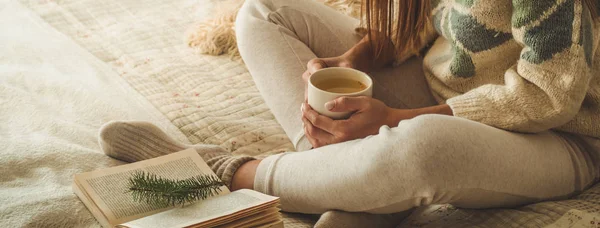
[(68, 66)]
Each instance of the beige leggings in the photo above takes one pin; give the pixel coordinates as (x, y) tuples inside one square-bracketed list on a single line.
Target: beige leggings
[(430, 159)]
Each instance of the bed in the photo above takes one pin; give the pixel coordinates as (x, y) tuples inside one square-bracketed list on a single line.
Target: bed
[(69, 66)]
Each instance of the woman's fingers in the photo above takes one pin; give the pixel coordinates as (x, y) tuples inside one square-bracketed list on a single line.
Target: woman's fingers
[(306, 76), (315, 64), (323, 122), (335, 131), (312, 66), (347, 104), (316, 136)]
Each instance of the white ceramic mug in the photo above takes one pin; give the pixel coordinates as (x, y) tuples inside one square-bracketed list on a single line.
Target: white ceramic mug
[(318, 97)]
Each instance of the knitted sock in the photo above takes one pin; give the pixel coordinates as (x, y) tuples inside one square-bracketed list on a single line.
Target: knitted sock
[(133, 141)]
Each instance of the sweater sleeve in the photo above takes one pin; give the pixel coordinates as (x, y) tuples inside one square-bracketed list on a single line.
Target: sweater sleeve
[(546, 87)]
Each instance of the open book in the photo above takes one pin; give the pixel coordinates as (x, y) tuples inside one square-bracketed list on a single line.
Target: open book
[(104, 193)]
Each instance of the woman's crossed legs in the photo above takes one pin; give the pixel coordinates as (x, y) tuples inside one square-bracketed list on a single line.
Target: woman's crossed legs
[(425, 160)]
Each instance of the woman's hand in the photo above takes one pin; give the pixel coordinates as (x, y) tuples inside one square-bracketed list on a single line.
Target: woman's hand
[(320, 63), (369, 115)]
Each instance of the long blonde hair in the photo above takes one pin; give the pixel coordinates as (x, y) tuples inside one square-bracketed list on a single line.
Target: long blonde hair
[(406, 27)]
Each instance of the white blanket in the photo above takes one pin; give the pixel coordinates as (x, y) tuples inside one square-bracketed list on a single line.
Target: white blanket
[(54, 96)]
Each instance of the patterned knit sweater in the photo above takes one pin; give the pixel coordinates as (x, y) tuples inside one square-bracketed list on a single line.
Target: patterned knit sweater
[(518, 65)]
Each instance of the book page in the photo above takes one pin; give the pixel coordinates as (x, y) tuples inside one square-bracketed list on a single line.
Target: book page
[(93, 208), (210, 209), (254, 220), (108, 188)]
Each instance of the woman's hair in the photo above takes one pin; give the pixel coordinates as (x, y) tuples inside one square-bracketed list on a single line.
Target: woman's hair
[(594, 6), (403, 22)]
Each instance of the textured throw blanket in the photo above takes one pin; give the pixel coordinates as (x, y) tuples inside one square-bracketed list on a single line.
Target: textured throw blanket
[(54, 96)]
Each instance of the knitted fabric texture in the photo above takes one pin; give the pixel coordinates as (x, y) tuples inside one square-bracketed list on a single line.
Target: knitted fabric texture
[(520, 65)]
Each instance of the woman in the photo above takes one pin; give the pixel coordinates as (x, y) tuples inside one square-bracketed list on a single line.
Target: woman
[(514, 117)]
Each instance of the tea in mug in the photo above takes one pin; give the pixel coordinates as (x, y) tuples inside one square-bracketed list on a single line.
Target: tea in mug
[(341, 85)]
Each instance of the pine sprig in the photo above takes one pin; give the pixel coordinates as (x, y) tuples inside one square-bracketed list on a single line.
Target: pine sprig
[(158, 191)]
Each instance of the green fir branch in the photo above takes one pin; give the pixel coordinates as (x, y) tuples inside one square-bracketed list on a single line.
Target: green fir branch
[(158, 191)]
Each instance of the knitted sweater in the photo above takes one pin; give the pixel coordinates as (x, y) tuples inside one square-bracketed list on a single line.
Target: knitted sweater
[(520, 65)]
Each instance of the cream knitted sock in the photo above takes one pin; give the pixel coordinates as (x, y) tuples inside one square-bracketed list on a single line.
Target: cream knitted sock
[(133, 141)]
